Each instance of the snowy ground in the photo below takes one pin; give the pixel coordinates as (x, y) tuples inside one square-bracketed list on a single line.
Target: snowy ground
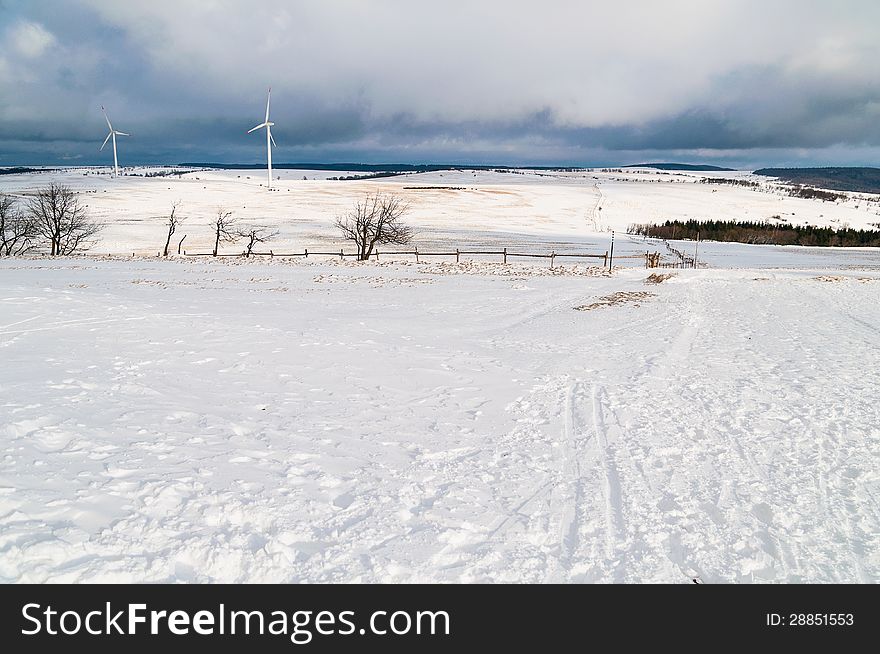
[(194, 420), (533, 211), (318, 421)]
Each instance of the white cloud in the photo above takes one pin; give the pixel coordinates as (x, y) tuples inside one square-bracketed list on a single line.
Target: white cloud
[(30, 40)]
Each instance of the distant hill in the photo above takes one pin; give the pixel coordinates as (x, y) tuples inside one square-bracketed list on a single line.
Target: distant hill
[(858, 180), (680, 166), (21, 170), (369, 168)]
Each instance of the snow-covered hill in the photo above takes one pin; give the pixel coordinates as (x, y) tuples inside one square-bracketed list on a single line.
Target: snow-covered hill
[(520, 209)]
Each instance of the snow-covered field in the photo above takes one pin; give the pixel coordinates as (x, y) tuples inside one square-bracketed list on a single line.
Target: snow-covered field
[(532, 211), (193, 420)]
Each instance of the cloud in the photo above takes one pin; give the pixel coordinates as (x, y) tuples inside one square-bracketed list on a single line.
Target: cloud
[(30, 40), (522, 80)]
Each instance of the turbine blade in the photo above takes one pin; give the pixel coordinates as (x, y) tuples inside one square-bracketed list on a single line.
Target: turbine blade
[(272, 138), (105, 142), (122, 134), (268, 102), (261, 126), (107, 118)]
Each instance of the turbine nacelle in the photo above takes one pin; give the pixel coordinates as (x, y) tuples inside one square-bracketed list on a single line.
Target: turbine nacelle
[(260, 126), (111, 135)]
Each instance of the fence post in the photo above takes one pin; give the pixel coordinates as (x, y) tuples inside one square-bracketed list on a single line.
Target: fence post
[(611, 257), (271, 254), (377, 255), (341, 254), (307, 253), (417, 254), (552, 259), (457, 255), (505, 255)]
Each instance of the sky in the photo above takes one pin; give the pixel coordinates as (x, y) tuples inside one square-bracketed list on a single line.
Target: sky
[(744, 83)]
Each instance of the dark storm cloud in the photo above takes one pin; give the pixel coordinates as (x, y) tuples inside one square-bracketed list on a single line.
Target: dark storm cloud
[(518, 82)]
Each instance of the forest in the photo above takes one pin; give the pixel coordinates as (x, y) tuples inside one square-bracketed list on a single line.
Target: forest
[(761, 233)]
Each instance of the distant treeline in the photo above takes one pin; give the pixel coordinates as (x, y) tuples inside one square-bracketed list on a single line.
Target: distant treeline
[(730, 182), (20, 171), (762, 233), (681, 166), (858, 180), (354, 178), (814, 194), (373, 168), (799, 191), (168, 173)]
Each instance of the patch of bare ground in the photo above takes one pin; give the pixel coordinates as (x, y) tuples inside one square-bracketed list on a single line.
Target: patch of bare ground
[(658, 278), (510, 270), (634, 298), (371, 281)]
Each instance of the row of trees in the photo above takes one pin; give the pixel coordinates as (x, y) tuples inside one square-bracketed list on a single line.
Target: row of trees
[(376, 220), (762, 233), (227, 230), (795, 191), (730, 182), (54, 220)]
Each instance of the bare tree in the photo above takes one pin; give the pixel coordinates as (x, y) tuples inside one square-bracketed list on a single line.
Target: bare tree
[(58, 217), (375, 220), (255, 235), (224, 229), (17, 232), (174, 221)]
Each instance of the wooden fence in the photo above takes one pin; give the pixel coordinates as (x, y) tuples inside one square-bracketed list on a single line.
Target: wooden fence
[(504, 253), (682, 260)]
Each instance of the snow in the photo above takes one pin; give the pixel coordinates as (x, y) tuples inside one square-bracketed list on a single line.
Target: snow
[(326, 421), (535, 210)]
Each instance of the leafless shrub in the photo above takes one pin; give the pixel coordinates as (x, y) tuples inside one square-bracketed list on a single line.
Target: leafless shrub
[(17, 230), (224, 229), (174, 221), (254, 235), (375, 220), (59, 218)]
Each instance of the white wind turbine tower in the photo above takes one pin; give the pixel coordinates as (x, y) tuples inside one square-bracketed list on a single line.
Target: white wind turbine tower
[(113, 134), (269, 140)]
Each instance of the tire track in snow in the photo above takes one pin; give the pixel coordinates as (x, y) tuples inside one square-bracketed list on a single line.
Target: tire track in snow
[(611, 481), (13, 324), (595, 213), (515, 513), (568, 526), (85, 322)]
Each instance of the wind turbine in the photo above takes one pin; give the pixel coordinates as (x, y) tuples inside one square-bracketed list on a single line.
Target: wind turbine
[(269, 140), (113, 134)]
